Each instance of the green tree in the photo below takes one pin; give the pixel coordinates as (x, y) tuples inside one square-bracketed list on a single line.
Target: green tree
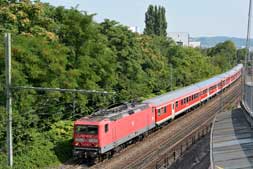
[(241, 54), (150, 21), (223, 55), (155, 20)]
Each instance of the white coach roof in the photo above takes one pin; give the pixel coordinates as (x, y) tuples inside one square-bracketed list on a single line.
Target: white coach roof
[(170, 96)]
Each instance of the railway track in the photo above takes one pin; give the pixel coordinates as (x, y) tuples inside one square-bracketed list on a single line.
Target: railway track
[(73, 163), (149, 159), (146, 154)]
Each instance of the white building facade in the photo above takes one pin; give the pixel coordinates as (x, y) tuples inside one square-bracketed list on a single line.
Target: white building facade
[(195, 44), (134, 29), (181, 38)]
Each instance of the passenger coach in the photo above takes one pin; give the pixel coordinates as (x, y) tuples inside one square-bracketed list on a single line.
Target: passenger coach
[(171, 104)]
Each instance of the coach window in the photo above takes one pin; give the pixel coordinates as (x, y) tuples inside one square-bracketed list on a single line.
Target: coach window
[(106, 128), (159, 112), (182, 102), (176, 104), (165, 109), (187, 100), (162, 110)]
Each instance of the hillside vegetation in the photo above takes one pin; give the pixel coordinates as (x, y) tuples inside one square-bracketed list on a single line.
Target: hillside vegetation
[(208, 42), (66, 48)]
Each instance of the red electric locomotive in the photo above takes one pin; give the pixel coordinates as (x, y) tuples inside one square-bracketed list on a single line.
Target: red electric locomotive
[(106, 130)]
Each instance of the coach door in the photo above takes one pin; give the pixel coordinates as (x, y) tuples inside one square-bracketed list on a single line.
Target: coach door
[(153, 115), (173, 110), (114, 137)]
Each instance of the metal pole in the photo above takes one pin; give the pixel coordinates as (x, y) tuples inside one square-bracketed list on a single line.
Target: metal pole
[(247, 57), (248, 39), (8, 96), (249, 30)]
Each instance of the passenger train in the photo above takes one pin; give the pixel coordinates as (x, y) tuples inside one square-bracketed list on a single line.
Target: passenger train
[(104, 132)]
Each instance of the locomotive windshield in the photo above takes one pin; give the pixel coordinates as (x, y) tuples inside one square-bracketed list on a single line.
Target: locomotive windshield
[(85, 129)]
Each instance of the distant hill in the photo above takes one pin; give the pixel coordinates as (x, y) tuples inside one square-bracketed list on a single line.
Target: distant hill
[(207, 42)]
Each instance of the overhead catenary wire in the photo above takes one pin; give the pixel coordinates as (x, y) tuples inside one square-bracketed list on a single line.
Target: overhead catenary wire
[(60, 90)]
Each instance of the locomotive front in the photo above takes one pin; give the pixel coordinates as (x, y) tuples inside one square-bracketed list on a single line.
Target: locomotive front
[(86, 138)]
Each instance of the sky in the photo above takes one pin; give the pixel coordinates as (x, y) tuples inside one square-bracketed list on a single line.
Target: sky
[(197, 17)]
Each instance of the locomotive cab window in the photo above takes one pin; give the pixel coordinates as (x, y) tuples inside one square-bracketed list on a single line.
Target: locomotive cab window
[(86, 129), (106, 128)]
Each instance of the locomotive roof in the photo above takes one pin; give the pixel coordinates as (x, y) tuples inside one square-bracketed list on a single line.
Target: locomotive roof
[(117, 112), (159, 100)]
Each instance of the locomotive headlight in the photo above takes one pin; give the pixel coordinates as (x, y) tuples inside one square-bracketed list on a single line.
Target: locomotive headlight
[(93, 140), (80, 140)]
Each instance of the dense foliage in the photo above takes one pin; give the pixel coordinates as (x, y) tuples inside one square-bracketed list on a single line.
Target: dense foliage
[(65, 48), (155, 21)]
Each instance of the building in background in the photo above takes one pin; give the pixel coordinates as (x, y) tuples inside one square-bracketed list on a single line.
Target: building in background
[(134, 29), (181, 38), (194, 44)]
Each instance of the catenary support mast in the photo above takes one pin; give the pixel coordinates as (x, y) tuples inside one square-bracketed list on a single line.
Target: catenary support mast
[(8, 97)]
